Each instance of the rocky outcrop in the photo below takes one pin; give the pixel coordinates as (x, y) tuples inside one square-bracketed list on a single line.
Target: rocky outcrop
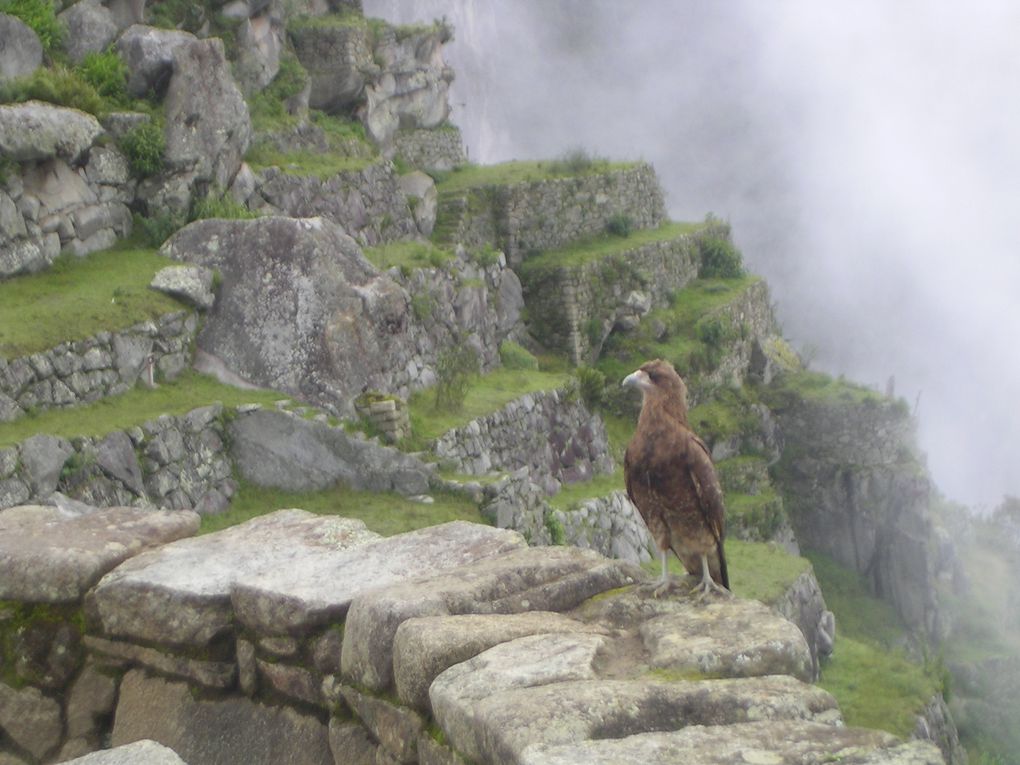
[(35, 131), (190, 284), (21, 53), (107, 364), (260, 40), (337, 58), (148, 54), (89, 27), (320, 322)]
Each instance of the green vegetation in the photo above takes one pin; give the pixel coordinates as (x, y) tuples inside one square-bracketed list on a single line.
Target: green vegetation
[(456, 367), (759, 514), (268, 107), (145, 146), (220, 205), (577, 162), (58, 85), (726, 414), (515, 356), (304, 162), (24, 624), (486, 394), (720, 259), (407, 256), (108, 74), (620, 225), (875, 683), (805, 385), (509, 173), (78, 297), (383, 513), (605, 245), (41, 17), (189, 391), (572, 494)]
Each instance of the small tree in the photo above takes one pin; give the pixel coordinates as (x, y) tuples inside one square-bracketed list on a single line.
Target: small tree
[(455, 368)]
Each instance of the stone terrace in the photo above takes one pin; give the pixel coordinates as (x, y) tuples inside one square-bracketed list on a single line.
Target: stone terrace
[(296, 638)]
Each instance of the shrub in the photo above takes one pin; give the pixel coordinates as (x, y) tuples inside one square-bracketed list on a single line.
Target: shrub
[(41, 16), (576, 162), (720, 259), (144, 146), (56, 85), (107, 73), (221, 205), (156, 230), (621, 225), (515, 356), (455, 368), (591, 385)]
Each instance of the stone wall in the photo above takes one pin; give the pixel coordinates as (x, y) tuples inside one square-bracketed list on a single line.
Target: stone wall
[(309, 640), (431, 150), (545, 215), (106, 364), (62, 193), (558, 440)]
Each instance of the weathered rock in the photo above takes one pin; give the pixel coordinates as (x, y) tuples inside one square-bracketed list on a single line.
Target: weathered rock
[(426, 646), (21, 52), (144, 752), (351, 744), (421, 193), (208, 127), (218, 675), (336, 58), (802, 603), (49, 558), (92, 695), (396, 729), (497, 728), (281, 450), (192, 284), (259, 43), (544, 579), (35, 130), (180, 594), (293, 682), (149, 55), (230, 731), (31, 719), (116, 456), (735, 638), (321, 589), (43, 457), (776, 741), (88, 28)]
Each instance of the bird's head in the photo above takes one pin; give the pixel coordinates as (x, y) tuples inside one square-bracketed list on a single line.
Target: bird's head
[(658, 381)]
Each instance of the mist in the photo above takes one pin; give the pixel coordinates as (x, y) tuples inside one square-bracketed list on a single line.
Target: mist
[(866, 153)]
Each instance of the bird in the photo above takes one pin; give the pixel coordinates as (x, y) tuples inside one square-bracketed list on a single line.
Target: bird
[(672, 482)]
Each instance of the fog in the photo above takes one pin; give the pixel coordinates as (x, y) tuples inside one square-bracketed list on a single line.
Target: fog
[(866, 153)]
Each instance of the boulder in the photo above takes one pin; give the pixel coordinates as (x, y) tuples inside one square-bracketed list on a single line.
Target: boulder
[(37, 131), (88, 28), (49, 558), (125, 13), (180, 593), (116, 457), (549, 579), (149, 55), (42, 458), (208, 128), (192, 284), (143, 752), (21, 53), (300, 309), (260, 40), (319, 590), (775, 741), (420, 190), (228, 731), (282, 450)]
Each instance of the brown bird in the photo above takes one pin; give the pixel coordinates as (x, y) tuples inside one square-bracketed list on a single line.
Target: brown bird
[(672, 482)]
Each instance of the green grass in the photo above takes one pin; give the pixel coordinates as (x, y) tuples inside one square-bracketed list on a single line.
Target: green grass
[(605, 245), (304, 162), (573, 493), (875, 683), (485, 395), (823, 388), (384, 513), (407, 256), (189, 391), (78, 297), (510, 173)]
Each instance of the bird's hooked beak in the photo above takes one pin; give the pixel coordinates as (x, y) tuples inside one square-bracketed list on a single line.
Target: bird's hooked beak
[(638, 379)]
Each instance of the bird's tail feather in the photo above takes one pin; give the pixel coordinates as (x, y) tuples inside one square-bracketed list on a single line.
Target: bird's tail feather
[(723, 573)]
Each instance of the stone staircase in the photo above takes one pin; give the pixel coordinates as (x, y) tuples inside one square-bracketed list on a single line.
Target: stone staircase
[(296, 638)]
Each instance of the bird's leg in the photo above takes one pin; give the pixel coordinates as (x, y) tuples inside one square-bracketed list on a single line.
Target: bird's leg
[(707, 585), (664, 585)]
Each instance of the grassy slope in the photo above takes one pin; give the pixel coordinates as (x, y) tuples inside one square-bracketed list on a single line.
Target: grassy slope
[(509, 173), (406, 255), (79, 297), (606, 245)]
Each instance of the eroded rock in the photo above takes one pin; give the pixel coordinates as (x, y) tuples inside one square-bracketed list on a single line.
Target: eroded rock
[(35, 131), (21, 53)]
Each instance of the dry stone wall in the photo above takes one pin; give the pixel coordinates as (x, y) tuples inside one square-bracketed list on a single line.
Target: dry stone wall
[(106, 364), (434, 150), (296, 638)]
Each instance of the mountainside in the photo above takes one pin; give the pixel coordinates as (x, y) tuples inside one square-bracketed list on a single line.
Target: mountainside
[(246, 267)]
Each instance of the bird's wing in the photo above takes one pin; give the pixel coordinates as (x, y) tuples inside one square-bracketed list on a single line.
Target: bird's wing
[(699, 463)]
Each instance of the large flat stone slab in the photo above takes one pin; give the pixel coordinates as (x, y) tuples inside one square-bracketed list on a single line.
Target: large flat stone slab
[(144, 752), (229, 731), (47, 557), (500, 727), (766, 743), (320, 588), (733, 638), (529, 579), (426, 646), (180, 594)]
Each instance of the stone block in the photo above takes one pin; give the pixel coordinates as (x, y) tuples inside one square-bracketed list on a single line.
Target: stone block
[(144, 752), (218, 675), (395, 728), (30, 719)]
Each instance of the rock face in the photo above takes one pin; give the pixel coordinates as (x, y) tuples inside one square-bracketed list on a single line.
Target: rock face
[(192, 284), (336, 58), (21, 52), (149, 55), (208, 127), (88, 28), (39, 131)]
